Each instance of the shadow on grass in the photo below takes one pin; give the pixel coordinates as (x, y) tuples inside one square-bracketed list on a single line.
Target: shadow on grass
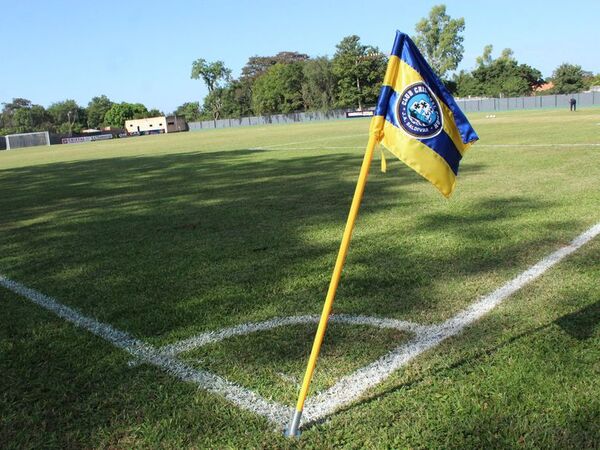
[(487, 238), (206, 239), (169, 245), (581, 325)]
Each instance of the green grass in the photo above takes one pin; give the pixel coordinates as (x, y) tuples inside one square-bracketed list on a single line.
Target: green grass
[(169, 236), (272, 363)]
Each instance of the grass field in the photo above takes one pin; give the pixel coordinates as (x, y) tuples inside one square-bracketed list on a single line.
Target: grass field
[(166, 237)]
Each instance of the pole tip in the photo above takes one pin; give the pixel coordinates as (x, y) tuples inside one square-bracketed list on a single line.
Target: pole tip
[(291, 433), (293, 430)]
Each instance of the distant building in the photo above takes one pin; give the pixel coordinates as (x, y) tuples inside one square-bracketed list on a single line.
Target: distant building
[(544, 87), (156, 125)]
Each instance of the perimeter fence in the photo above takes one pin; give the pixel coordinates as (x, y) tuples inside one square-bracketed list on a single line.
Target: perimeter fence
[(584, 99), (269, 119), (537, 102)]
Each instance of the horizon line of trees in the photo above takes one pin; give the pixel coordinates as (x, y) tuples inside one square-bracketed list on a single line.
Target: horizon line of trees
[(291, 81), (67, 117)]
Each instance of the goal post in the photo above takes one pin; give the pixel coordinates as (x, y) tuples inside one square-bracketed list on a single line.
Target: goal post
[(22, 140)]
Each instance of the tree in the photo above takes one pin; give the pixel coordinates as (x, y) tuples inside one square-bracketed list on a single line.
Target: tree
[(507, 54), (154, 112), (9, 108), (190, 111), (486, 58), (568, 78), (593, 80), (499, 77), (34, 118), (8, 112), (440, 40), (213, 74), (139, 111), (359, 70), (278, 90), (506, 78), (67, 116), (257, 65), (237, 99), (466, 85), (96, 110), (213, 104), (120, 112), (319, 84)]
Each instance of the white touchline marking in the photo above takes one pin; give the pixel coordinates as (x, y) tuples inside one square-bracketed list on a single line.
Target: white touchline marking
[(311, 148), (591, 144), (351, 387), (348, 388), (329, 138), (278, 147), (244, 398)]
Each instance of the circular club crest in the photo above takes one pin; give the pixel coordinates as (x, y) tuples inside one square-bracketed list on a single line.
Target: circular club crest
[(418, 111)]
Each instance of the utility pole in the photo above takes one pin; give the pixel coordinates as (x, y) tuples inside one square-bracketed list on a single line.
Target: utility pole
[(69, 113)]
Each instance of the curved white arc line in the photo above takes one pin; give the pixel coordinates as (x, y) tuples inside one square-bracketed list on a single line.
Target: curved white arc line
[(352, 386), (345, 391), (212, 337)]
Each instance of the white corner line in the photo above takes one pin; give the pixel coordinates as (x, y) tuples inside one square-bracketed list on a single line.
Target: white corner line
[(351, 387), (242, 397), (329, 138), (348, 388), (578, 144)]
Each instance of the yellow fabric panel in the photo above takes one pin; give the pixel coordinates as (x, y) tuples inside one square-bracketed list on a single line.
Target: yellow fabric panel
[(408, 75), (392, 71), (405, 75), (376, 126), (383, 162), (420, 158)]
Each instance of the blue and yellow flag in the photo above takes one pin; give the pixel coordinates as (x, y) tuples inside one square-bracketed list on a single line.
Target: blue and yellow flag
[(418, 120)]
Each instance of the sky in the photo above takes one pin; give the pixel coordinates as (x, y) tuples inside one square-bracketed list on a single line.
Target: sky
[(142, 51)]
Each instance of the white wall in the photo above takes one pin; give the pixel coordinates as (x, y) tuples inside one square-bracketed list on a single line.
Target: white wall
[(149, 124)]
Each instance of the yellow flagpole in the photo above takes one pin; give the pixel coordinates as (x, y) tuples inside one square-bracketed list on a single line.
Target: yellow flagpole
[(292, 429), (375, 135)]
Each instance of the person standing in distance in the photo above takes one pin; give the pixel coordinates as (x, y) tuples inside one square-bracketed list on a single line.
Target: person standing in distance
[(573, 104)]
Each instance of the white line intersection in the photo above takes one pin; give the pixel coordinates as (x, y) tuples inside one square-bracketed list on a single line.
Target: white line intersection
[(346, 390)]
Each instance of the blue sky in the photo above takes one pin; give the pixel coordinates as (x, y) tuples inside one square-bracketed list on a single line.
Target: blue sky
[(141, 51)]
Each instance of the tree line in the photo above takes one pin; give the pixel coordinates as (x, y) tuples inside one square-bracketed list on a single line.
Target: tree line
[(504, 76), (67, 117), (291, 81)]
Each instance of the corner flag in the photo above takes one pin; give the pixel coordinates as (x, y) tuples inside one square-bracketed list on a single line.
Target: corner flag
[(418, 120)]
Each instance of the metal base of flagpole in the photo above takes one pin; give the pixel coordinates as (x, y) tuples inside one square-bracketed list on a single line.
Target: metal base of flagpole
[(293, 429)]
